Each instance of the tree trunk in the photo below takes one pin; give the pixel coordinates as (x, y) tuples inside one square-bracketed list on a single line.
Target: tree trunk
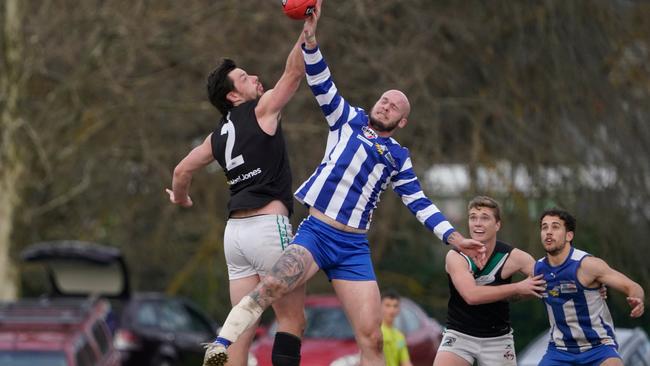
[(7, 204), (11, 165)]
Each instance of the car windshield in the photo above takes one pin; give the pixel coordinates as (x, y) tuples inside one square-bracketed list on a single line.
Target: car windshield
[(327, 322), (31, 358)]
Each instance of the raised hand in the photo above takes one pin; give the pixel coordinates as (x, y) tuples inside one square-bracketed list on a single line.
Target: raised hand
[(470, 247), (309, 29)]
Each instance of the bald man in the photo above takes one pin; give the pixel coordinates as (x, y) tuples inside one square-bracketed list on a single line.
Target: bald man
[(361, 159)]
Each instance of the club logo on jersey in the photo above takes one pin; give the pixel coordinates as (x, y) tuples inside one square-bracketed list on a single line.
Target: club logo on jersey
[(555, 291), (369, 133), (448, 341), (509, 355), (391, 160), (568, 287), (380, 148)]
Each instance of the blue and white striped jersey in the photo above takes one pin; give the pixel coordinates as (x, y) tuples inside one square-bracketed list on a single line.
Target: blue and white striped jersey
[(579, 316), (359, 164)]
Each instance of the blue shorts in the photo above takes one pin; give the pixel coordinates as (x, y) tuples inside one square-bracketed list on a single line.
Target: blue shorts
[(592, 357), (341, 255)]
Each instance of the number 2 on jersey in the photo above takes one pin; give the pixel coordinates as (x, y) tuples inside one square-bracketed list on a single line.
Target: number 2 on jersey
[(231, 163)]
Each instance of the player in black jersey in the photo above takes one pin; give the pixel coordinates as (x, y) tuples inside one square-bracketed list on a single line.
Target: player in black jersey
[(249, 145), (478, 314)]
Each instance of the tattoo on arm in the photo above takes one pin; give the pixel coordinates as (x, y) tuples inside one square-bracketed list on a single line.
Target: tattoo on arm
[(453, 237)]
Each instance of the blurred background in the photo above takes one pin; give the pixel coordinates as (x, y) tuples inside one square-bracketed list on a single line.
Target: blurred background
[(536, 103)]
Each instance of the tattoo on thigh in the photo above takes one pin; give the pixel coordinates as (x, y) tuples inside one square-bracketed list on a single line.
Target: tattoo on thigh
[(290, 267), (285, 275)]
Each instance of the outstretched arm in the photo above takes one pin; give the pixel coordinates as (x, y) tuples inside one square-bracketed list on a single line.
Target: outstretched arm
[(406, 184), (199, 157), (271, 103), (519, 261), (463, 280), (595, 270), (336, 109)]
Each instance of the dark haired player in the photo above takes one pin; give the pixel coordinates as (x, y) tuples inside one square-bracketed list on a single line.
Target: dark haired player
[(249, 145), (361, 161), (582, 331)]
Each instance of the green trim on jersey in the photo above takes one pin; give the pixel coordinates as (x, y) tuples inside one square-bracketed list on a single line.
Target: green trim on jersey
[(282, 231), (493, 264), (496, 261), (470, 264)]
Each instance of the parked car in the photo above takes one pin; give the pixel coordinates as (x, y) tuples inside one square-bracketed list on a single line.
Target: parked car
[(329, 339), (634, 348), (151, 329), (56, 332)]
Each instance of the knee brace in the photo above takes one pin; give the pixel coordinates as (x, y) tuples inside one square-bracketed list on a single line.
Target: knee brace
[(286, 350)]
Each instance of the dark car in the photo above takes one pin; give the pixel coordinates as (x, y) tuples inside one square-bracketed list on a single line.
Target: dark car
[(159, 330), (151, 329), (329, 338), (56, 332)]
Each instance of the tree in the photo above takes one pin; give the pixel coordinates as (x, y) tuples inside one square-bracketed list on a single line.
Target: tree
[(11, 123), (105, 96)]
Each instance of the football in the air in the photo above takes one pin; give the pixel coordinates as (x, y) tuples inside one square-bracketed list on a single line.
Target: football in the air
[(298, 9)]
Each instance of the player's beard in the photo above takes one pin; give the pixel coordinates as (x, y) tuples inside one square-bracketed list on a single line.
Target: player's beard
[(382, 127), (556, 249)]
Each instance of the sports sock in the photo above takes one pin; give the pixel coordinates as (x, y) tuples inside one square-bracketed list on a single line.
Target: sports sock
[(286, 350), (226, 343), (241, 317)]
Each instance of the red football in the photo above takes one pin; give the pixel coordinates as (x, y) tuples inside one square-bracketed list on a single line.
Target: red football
[(298, 9)]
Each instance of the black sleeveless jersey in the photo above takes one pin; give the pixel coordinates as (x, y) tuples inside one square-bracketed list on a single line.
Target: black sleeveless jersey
[(484, 320), (256, 164)]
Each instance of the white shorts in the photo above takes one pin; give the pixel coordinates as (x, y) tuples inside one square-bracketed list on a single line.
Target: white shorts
[(494, 351), (253, 244)]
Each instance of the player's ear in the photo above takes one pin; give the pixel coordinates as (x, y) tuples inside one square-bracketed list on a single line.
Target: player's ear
[(402, 122), (233, 96), (569, 236)]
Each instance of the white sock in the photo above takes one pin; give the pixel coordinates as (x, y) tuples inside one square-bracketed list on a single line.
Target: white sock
[(241, 317)]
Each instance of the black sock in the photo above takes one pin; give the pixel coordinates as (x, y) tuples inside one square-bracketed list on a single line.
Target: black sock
[(286, 350)]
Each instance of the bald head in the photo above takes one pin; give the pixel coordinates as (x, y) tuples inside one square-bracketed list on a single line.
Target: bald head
[(400, 99), (390, 112)]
